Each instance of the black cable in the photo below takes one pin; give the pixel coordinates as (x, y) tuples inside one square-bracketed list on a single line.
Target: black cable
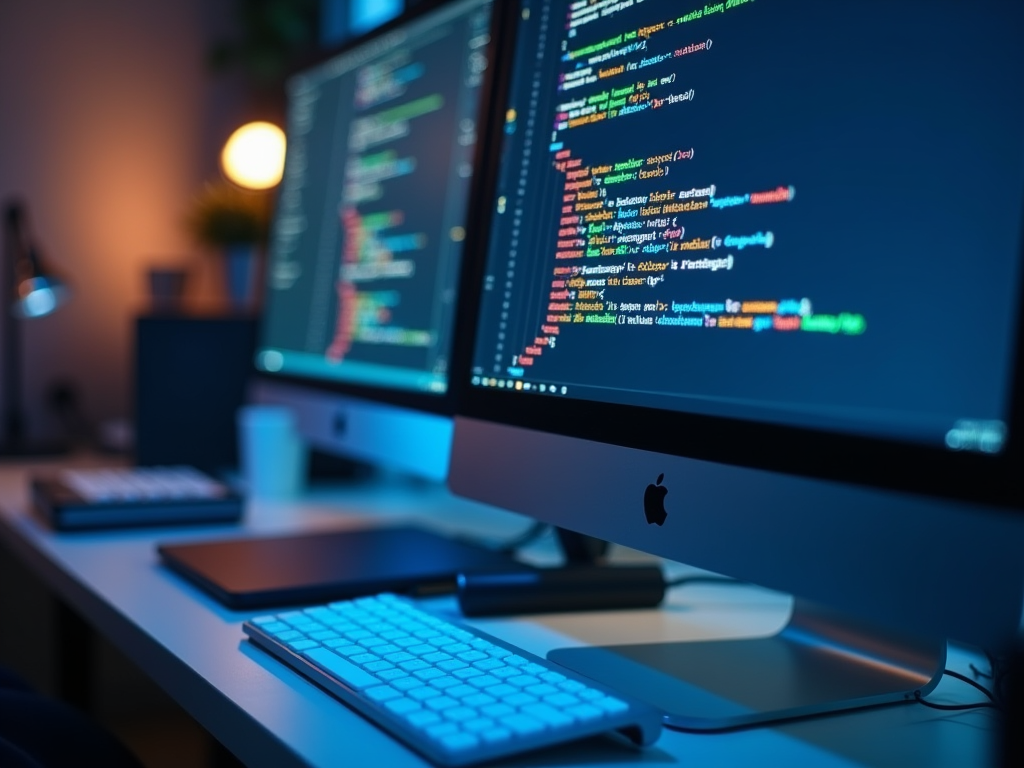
[(678, 582), (968, 680), (990, 704)]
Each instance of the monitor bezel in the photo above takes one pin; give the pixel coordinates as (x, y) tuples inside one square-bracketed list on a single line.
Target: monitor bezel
[(898, 465), (439, 403)]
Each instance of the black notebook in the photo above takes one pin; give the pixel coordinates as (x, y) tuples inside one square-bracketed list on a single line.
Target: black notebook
[(311, 568)]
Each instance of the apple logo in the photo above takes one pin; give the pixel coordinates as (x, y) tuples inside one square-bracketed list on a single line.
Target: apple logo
[(654, 502)]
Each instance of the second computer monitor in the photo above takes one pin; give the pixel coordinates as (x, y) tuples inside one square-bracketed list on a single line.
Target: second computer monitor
[(366, 244)]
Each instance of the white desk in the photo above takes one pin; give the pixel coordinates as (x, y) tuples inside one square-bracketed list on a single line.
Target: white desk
[(269, 716)]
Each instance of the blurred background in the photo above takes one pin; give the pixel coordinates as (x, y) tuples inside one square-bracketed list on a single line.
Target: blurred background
[(113, 115)]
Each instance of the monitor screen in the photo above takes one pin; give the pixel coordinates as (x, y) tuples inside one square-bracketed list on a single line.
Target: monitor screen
[(700, 217), (367, 238), (751, 295)]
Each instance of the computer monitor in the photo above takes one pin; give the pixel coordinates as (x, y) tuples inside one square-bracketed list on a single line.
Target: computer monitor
[(750, 299), (367, 238)]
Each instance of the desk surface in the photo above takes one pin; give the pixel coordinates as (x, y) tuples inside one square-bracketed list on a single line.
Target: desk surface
[(269, 716)]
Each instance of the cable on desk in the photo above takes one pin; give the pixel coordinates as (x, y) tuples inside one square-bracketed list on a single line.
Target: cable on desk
[(687, 580), (990, 704)]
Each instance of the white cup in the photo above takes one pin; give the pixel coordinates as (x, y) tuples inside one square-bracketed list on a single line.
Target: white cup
[(272, 454)]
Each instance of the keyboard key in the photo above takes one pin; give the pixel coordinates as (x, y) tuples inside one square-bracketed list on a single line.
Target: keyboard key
[(498, 710), (488, 664), (562, 700), (520, 681), (540, 691), (441, 730), (547, 715), (344, 671), (406, 683), (461, 691), (478, 724), (459, 742), (501, 691), (478, 700), (423, 718), (273, 627), (444, 682), (452, 664), (439, 703), (585, 712), (458, 714), (382, 693), (423, 693), (349, 650), (436, 657), (610, 704), (522, 724), (520, 699), (428, 674), (496, 735)]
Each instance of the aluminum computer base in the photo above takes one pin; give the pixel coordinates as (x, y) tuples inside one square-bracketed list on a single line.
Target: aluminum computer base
[(820, 662)]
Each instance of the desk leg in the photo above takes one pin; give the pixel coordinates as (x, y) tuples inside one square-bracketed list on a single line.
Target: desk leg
[(75, 647)]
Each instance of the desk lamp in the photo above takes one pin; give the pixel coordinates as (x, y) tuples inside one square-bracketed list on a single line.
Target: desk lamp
[(31, 291)]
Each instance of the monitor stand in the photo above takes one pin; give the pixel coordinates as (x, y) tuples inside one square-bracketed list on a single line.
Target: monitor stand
[(820, 662)]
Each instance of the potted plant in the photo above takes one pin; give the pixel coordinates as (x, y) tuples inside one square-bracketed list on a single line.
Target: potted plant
[(235, 222)]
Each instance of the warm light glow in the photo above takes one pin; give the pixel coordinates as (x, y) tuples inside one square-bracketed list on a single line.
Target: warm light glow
[(253, 156)]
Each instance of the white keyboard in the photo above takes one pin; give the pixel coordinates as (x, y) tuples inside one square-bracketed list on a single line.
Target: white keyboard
[(81, 499), (142, 483), (453, 693)]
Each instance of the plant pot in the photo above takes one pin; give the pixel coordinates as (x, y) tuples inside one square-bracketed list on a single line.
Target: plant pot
[(241, 263)]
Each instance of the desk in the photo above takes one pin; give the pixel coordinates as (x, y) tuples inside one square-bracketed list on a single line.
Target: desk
[(269, 716)]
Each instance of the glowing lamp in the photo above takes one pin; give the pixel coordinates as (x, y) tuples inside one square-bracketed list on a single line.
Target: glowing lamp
[(253, 157)]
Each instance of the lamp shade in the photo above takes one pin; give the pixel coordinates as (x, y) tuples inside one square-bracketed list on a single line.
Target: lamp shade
[(36, 291)]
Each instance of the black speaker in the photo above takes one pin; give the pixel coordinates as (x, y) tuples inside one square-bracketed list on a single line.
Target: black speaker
[(191, 375)]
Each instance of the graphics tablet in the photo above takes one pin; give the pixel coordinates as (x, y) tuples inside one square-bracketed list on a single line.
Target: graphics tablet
[(308, 568)]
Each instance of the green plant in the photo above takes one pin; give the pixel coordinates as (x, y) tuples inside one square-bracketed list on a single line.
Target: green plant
[(222, 214)]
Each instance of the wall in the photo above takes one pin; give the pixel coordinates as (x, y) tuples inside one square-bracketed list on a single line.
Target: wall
[(108, 124)]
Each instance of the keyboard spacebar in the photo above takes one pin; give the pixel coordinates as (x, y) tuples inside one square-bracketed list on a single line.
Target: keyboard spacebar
[(346, 672)]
